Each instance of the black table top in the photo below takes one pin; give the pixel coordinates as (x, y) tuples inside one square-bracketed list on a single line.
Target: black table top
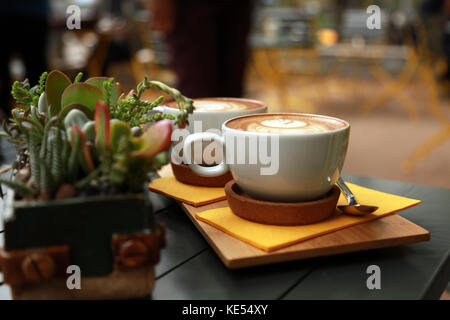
[(190, 269)]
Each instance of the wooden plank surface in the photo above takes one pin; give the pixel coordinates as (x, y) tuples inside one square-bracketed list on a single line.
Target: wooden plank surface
[(385, 232), (389, 231)]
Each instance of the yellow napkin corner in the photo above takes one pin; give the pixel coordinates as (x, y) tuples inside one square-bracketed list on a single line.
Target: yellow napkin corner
[(270, 238), (193, 195)]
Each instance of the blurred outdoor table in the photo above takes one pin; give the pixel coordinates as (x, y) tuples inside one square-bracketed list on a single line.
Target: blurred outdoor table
[(282, 41), (189, 268), (282, 55), (366, 51), (338, 50)]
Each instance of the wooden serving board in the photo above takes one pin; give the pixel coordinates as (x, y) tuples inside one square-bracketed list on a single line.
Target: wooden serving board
[(392, 230)]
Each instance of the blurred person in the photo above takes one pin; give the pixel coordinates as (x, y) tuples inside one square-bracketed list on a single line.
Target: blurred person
[(207, 43), (118, 47), (23, 25)]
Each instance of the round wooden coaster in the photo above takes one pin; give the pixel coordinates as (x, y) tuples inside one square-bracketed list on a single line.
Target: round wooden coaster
[(184, 174), (280, 213)]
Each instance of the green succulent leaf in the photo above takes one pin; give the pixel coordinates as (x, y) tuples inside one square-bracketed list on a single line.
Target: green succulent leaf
[(43, 104), (89, 131), (119, 130), (113, 92), (78, 77), (41, 85), (55, 85), (22, 93), (76, 117), (78, 141), (137, 144), (88, 112), (83, 183), (19, 187), (81, 93)]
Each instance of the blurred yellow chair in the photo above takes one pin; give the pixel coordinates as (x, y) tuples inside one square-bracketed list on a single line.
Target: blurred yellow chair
[(273, 66), (426, 73), (435, 108), (419, 66), (393, 87)]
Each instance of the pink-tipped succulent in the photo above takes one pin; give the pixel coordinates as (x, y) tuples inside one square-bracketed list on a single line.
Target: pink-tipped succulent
[(78, 140), (156, 139), (102, 127)]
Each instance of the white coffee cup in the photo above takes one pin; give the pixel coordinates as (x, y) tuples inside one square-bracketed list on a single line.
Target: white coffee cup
[(309, 163), (213, 112)]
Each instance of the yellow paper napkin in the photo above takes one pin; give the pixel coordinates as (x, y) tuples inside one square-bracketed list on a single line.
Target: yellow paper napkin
[(269, 238), (193, 195)]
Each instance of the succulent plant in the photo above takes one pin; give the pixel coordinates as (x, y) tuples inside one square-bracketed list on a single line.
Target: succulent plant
[(123, 161), (87, 137)]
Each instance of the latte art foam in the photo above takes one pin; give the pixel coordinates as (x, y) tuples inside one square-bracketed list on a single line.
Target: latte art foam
[(215, 105), (285, 124)]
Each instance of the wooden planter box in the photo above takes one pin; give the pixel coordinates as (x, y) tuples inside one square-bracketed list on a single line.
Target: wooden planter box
[(112, 239)]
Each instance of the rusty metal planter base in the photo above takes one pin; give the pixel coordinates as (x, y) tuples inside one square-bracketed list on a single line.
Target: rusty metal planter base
[(134, 283), (112, 239)]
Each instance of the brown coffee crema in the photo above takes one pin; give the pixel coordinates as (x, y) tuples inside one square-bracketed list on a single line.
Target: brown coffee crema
[(215, 105), (222, 104), (286, 123)]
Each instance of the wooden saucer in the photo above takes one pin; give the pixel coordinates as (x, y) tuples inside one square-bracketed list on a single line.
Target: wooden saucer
[(184, 174), (280, 213)]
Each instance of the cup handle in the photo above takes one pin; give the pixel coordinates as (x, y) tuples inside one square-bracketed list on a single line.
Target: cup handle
[(213, 171)]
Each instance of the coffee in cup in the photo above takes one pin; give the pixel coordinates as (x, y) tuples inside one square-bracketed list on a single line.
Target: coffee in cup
[(285, 124), (207, 104), (306, 154), (213, 112)]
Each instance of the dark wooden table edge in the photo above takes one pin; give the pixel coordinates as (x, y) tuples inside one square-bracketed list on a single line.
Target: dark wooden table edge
[(439, 281)]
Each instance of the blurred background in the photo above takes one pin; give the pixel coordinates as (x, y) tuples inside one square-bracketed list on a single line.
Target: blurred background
[(316, 56)]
